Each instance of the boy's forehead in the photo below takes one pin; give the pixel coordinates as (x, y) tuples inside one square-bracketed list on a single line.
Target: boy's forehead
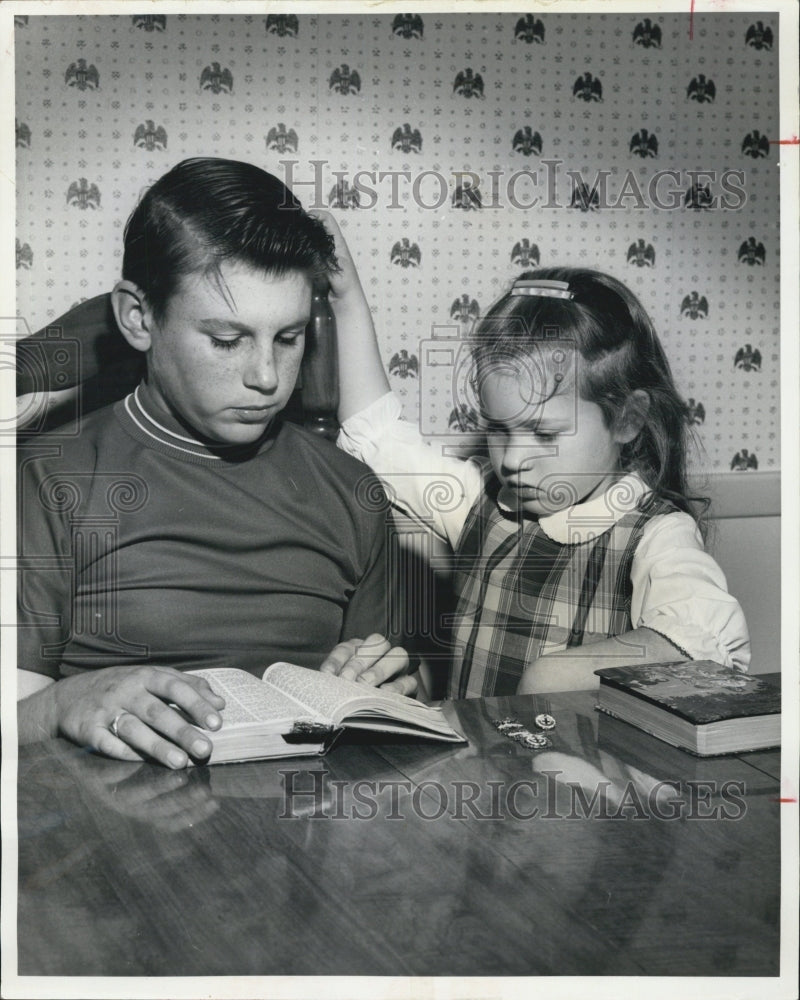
[(215, 288)]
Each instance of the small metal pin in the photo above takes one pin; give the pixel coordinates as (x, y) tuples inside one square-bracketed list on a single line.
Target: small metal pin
[(535, 741)]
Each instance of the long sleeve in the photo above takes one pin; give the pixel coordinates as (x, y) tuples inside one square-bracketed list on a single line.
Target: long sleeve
[(435, 490), (680, 592)]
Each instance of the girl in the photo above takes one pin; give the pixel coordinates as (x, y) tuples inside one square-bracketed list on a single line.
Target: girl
[(577, 546)]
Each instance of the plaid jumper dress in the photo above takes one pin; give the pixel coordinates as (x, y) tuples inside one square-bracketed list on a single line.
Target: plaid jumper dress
[(523, 595)]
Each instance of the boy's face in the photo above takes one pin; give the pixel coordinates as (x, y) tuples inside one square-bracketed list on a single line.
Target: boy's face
[(550, 449), (226, 356)]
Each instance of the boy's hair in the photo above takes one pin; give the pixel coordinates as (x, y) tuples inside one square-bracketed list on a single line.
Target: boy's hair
[(205, 211), (620, 351)]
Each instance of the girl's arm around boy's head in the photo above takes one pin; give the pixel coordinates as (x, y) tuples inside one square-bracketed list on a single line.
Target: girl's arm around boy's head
[(362, 378)]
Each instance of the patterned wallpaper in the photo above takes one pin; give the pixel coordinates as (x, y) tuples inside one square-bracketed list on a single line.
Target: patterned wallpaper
[(456, 150)]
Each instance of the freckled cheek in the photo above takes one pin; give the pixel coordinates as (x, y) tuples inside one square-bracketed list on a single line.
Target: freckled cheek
[(289, 371), (227, 373), (214, 385)]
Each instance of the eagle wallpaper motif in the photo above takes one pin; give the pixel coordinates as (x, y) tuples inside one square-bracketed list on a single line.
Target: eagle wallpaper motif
[(457, 150)]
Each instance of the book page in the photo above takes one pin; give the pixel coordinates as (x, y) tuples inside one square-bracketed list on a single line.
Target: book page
[(333, 697), (250, 700)]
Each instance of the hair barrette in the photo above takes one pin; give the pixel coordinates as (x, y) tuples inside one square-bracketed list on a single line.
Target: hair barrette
[(544, 288)]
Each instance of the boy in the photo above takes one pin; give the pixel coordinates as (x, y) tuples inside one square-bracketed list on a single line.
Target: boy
[(188, 525)]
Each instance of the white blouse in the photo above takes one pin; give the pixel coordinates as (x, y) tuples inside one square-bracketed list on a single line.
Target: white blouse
[(679, 590)]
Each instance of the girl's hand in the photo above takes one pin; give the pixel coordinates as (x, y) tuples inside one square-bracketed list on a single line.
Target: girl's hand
[(130, 713), (362, 379), (345, 285), (372, 661)]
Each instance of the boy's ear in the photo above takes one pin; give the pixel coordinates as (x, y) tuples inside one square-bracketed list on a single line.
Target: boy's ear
[(632, 417), (132, 315)]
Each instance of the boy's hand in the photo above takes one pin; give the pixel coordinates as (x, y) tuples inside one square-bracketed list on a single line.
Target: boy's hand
[(130, 712), (372, 661)]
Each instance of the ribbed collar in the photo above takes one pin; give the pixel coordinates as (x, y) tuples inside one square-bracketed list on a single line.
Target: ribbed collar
[(144, 424)]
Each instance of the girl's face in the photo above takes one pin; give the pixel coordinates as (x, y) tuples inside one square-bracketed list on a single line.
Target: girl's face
[(549, 450)]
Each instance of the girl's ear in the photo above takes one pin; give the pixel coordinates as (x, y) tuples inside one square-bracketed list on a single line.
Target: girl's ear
[(632, 416), (132, 315)]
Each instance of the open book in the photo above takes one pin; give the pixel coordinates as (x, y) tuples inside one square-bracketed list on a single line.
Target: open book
[(293, 711)]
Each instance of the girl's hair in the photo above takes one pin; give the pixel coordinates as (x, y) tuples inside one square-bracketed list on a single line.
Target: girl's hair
[(621, 352), (205, 211)]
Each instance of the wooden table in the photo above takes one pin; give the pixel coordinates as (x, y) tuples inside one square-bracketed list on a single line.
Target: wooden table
[(133, 870)]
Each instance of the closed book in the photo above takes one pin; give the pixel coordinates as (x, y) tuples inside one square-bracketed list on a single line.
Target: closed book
[(291, 711), (697, 705)]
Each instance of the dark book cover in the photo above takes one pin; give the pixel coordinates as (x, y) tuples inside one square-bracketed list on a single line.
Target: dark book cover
[(699, 691)]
